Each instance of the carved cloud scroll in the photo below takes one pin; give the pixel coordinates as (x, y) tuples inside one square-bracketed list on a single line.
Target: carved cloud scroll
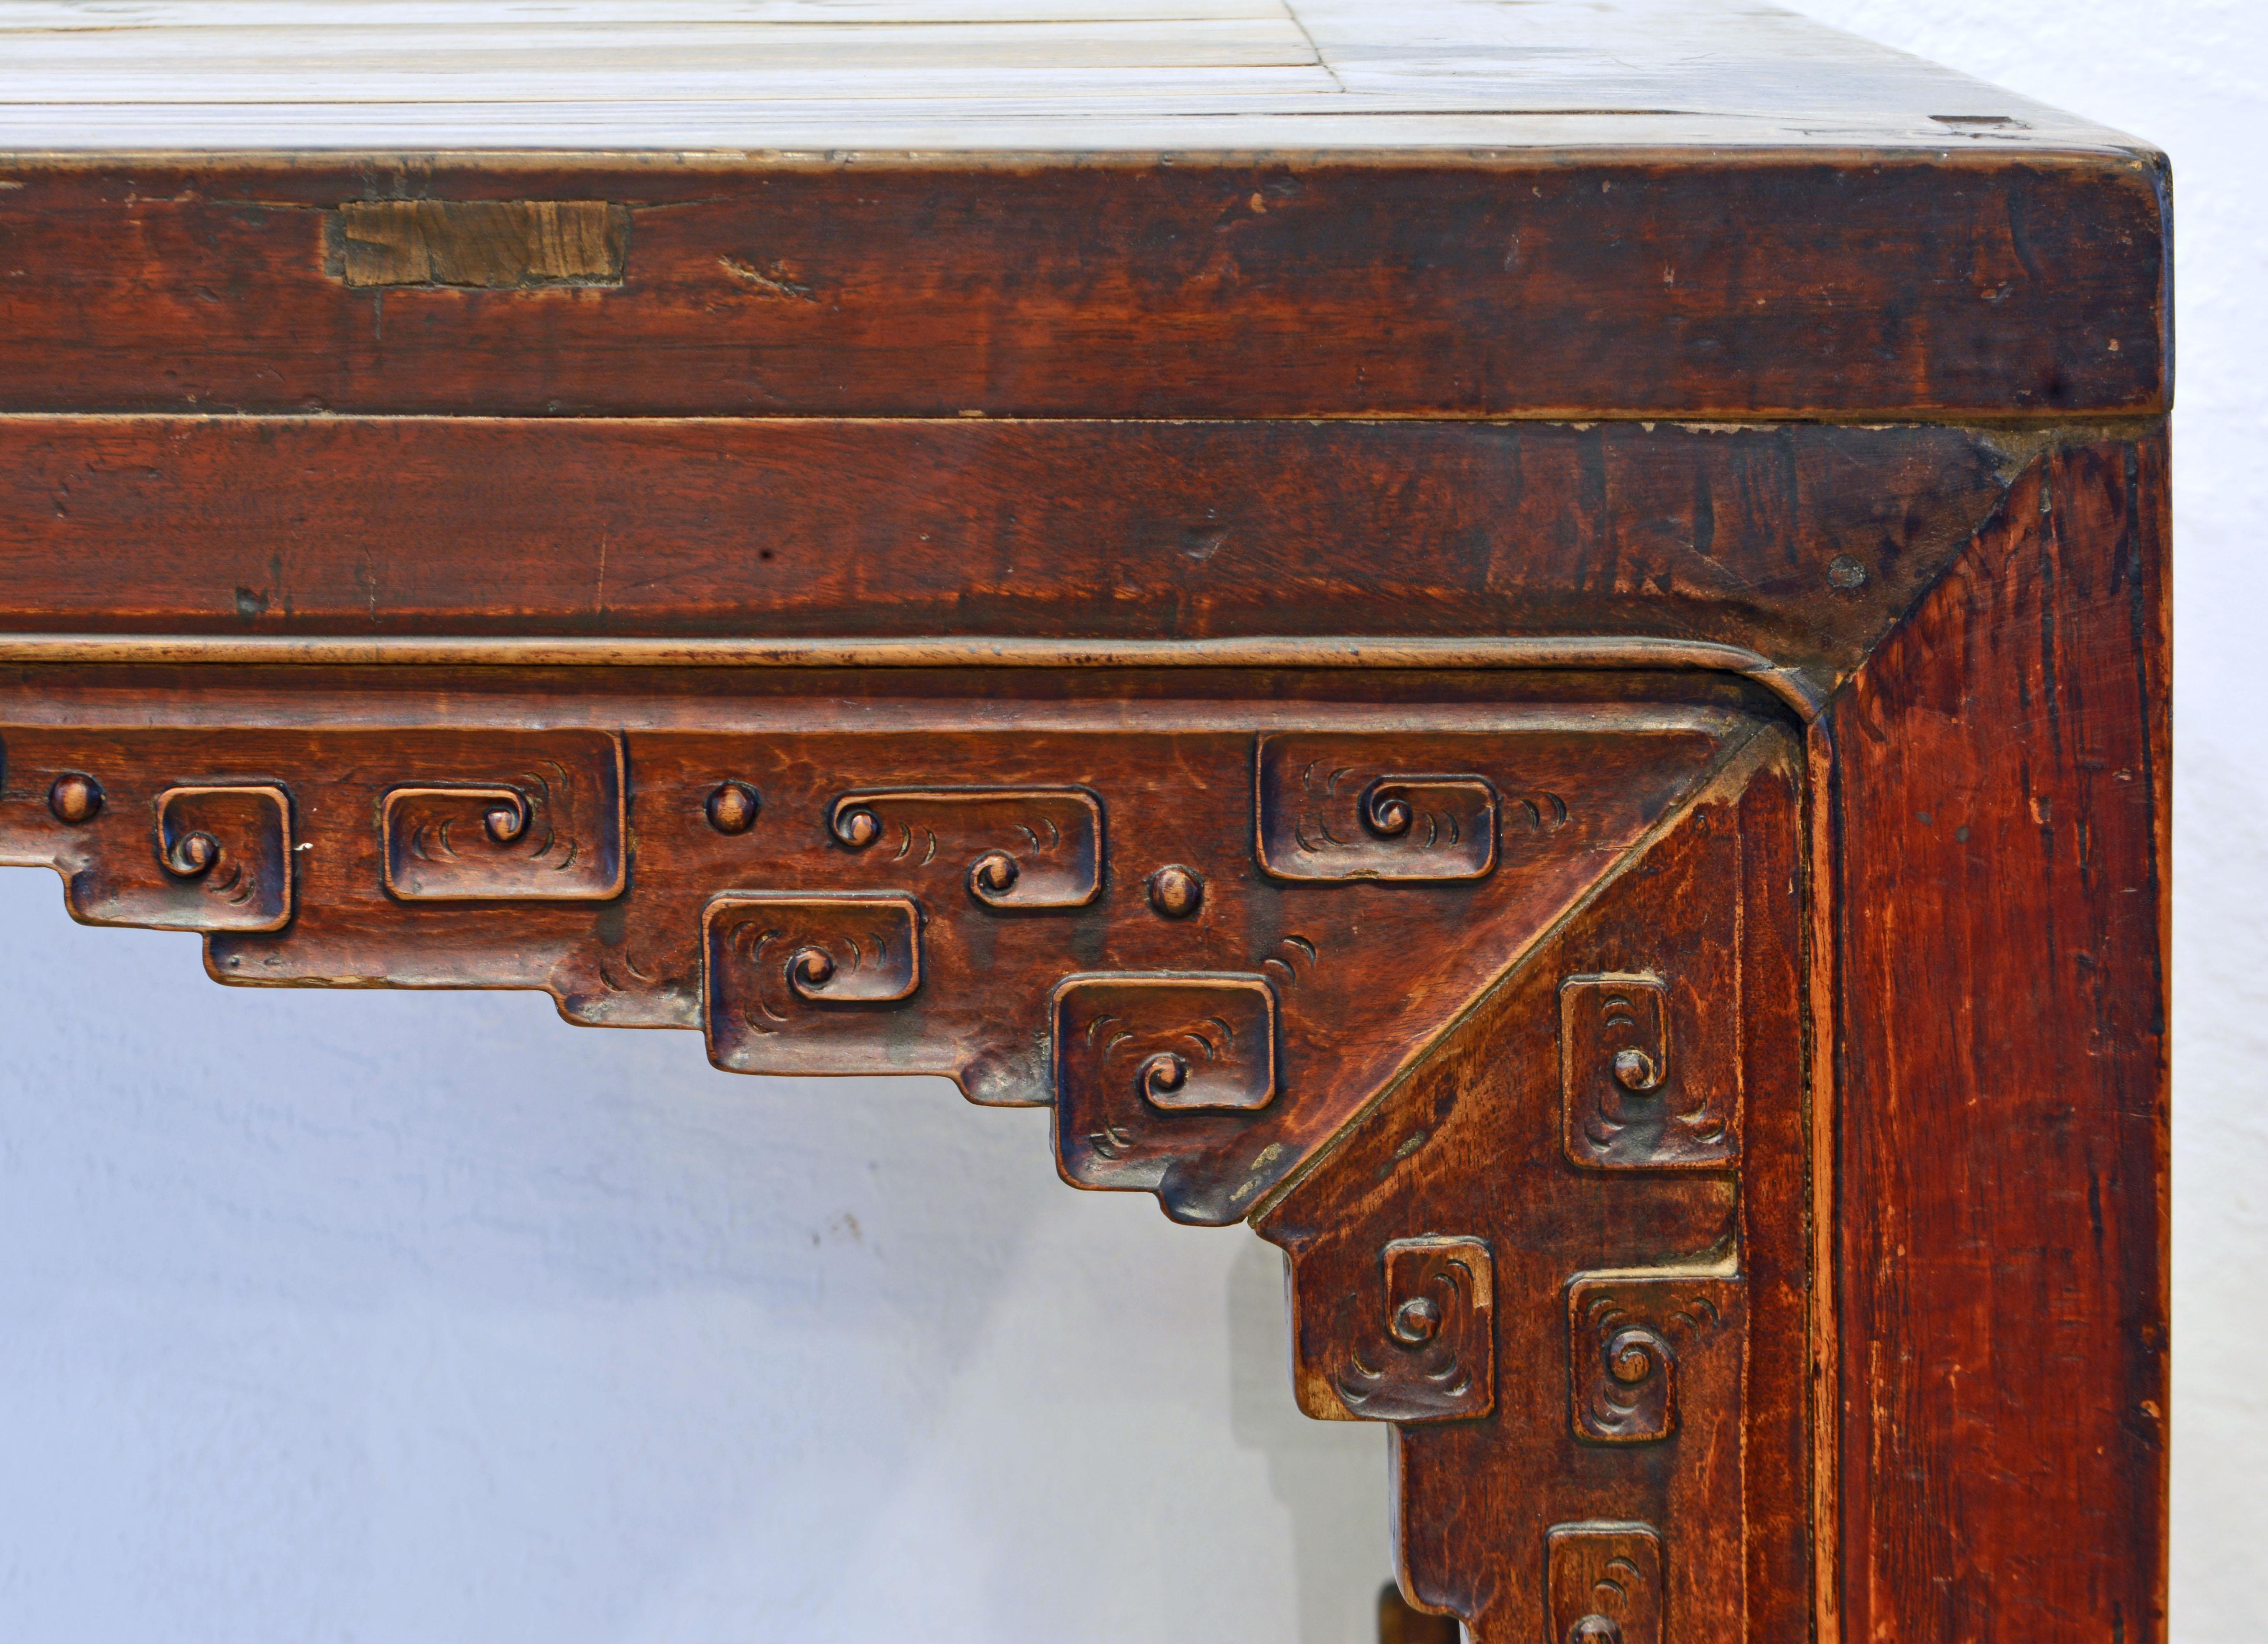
[(1467, 1005)]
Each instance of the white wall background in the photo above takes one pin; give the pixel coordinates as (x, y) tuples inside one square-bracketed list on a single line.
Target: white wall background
[(427, 1319), (419, 1319)]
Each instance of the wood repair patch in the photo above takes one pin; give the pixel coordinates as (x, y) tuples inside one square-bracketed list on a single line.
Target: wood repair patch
[(486, 245)]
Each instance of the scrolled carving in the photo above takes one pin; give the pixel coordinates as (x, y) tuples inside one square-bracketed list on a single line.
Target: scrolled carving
[(187, 854), (1603, 1583), (1631, 1099), (1326, 811), (551, 831), (1183, 1043), (1141, 1056), (1015, 847), (452, 889), (790, 980), (219, 859), (1626, 1338), (1162, 1077), (1222, 1084), (1425, 1349)]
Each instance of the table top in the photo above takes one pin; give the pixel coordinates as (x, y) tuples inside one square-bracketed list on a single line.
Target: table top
[(963, 76), (1705, 209)]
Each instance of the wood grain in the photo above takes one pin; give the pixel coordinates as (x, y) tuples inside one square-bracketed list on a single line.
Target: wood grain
[(1468, 1144), (486, 245), (1810, 284), (2002, 845), (1527, 642), (1015, 831), (1803, 543)]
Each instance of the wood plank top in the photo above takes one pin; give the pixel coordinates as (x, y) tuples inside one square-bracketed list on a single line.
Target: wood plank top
[(1699, 209), (1012, 76)]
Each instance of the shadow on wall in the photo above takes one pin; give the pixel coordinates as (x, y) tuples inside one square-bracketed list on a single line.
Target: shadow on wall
[(1329, 1476), (426, 1319)]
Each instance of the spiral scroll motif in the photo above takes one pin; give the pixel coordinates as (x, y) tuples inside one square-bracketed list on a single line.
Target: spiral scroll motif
[(1146, 1060), (1014, 848), (224, 854), (190, 855), (794, 980), (1328, 812), (549, 827), (1634, 1096), (1627, 1341), (1386, 809), (1182, 1042), (506, 820), (1431, 1353)]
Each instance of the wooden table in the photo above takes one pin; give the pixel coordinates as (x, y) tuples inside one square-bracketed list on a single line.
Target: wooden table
[(1525, 645)]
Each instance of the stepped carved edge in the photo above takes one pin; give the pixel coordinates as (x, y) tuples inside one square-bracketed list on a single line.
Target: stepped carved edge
[(1177, 993), (2009, 670)]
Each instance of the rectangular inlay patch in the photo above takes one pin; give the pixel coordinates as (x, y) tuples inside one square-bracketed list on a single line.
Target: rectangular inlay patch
[(487, 245)]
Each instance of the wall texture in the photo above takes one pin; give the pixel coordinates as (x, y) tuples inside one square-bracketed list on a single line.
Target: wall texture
[(427, 1320)]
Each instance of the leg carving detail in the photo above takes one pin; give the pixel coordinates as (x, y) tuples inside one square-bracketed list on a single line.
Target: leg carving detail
[(1604, 1583), (1632, 1341), (1639, 1474), (1431, 1354)]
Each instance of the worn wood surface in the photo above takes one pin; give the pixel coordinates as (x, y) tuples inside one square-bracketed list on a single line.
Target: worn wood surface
[(482, 245), (422, 825), (1802, 543), (1525, 643), (1985, 283), (1650, 1359), (2000, 845), (1021, 825)]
